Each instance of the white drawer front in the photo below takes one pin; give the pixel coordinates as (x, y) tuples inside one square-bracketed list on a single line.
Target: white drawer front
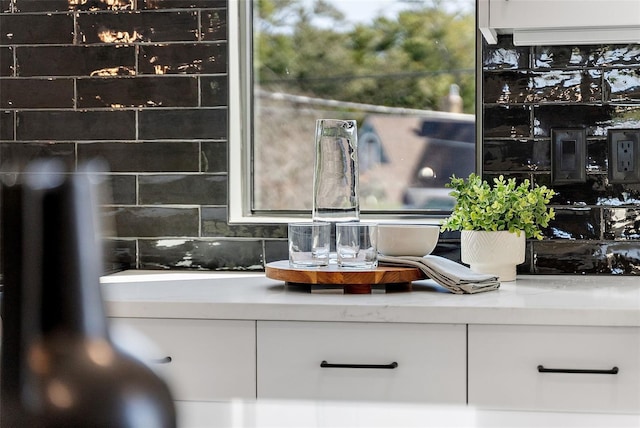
[(430, 361), (210, 359), (504, 373)]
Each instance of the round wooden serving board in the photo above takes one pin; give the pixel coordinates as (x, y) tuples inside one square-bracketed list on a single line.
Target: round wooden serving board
[(355, 281)]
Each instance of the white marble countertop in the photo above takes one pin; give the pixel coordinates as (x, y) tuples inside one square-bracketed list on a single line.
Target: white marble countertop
[(534, 299)]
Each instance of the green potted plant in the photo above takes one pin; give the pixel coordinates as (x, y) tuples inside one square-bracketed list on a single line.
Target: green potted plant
[(495, 221)]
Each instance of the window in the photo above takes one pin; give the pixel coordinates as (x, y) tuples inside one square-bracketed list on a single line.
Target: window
[(404, 69)]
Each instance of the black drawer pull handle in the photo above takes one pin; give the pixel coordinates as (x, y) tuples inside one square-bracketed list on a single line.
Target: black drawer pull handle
[(359, 366), (165, 360), (542, 369)]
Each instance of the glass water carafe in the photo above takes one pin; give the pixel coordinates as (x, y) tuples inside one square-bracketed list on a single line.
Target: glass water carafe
[(335, 178)]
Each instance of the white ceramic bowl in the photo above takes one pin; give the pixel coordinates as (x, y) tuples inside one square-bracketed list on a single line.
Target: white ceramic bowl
[(407, 239)]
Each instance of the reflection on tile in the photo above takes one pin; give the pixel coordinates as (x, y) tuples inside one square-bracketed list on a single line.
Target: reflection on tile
[(119, 255), (138, 92), (176, 4), (79, 5), (521, 155), (556, 257), (597, 155), (214, 224), (622, 223), (623, 84), (592, 117), (183, 58), (504, 56), (194, 189), (214, 25), (619, 55), (574, 223), (153, 221), (75, 61), (507, 87), (179, 156), (565, 56), (201, 254), (514, 121), (130, 27), (595, 187), (214, 91)]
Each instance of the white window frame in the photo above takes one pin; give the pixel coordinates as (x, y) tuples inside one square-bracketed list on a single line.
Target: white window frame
[(240, 126)]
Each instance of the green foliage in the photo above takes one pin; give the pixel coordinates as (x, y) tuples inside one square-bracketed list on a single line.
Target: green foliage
[(503, 206), (307, 48)]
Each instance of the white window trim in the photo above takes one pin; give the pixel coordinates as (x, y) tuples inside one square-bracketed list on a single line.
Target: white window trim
[(239, 42)]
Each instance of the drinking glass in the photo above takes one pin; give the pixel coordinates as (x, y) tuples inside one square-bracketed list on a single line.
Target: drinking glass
[(356, 245)]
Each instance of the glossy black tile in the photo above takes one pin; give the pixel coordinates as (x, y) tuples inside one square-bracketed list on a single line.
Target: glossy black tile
[(122, 190), (6, 62), (622, 223), (622, 85), (15, 156), (79, 5), (132, 27), (214, 91), (182, 124), (275, 250), (36, 93), (214, 25), (589, 192), (215, 224), (183, 58), (75, 125), (180, 4), (558, 57), (506, 87), (504, 56), (575, 223), (36, 29), (119, 254), (138, 92), (213, 157), (76, 60), (619, 55), (6, 126), (592, 117), (194, 189), (558, 257), (5, 6), (516, 155), (596, 155), (201, 254), (506, 121), (179, 156), (142, 221)]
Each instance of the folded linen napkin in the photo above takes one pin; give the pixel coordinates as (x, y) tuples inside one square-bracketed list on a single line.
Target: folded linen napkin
[(453, 276)]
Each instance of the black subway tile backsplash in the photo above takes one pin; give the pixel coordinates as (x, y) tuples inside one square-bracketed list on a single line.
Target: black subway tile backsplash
[(168, 189), (73, 60), (143, 85), (130, 27), (121, 92), (36, 93), (149, 156), (199, 123), (179, 58), (72, 125), (43, 29)]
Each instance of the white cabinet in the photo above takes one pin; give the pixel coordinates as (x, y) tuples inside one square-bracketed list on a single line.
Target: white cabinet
[(555, 368), (202, 360), (605, 20), (362, 361)]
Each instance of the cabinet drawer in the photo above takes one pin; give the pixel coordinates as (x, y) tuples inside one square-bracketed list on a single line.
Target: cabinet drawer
[(364, 361), (555, 368), (210, 359)]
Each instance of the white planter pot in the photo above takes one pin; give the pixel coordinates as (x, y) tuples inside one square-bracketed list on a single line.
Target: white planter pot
[(496, 253)]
